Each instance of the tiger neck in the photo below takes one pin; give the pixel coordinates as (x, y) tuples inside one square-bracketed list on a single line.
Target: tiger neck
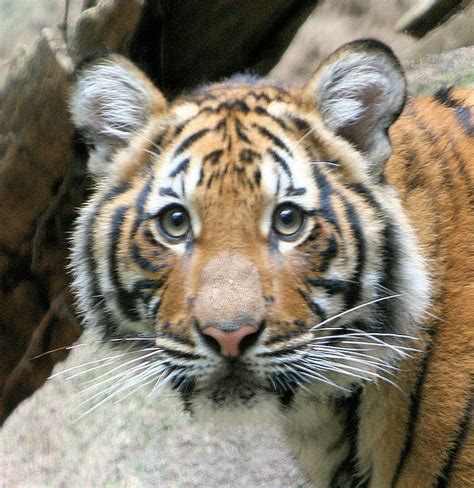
[(349, 441)]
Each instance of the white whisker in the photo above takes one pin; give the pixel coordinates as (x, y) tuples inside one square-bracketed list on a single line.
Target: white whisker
[(353, 309)]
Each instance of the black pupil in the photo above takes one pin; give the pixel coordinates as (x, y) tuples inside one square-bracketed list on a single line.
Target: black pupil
[(177, 218), (288, 216)]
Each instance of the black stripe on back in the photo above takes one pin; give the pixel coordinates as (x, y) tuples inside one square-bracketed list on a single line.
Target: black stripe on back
[(463, 114), (415, 404), (443, 478), (465, 119)]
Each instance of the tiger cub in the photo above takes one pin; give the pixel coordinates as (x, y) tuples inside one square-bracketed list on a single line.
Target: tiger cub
[(278, 247)]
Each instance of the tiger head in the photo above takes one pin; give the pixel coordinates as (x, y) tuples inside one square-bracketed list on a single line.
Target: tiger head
[(243, 236)]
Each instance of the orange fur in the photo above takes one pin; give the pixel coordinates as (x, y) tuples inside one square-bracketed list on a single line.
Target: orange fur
[(235, 270)]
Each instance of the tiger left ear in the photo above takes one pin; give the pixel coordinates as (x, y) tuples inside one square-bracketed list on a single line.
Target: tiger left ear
[(359, 92), (111, 101)]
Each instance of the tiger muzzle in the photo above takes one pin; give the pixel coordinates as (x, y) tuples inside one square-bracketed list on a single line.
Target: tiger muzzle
[(229, 307)]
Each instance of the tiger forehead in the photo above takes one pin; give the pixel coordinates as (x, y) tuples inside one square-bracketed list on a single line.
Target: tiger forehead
[(238, 122), (234, 140), (231, 96)]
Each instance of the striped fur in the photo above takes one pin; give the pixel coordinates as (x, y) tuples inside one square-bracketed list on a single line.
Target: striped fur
[(363, 342)]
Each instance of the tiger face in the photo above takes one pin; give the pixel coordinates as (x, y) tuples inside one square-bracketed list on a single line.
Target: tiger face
[(243, 235)]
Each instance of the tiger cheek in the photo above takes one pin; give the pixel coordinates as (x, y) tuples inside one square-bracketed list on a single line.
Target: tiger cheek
[(172, 316), (290, 309)]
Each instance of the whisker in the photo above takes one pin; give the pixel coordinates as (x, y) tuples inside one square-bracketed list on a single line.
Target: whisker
[(377, 364), (152, 153), (327, 163), (303, 137), (109, 358), (154, 144), (413, 302), (345, 312), (123, 375), (121, 365)]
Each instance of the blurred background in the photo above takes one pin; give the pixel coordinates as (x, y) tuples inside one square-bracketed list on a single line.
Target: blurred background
[(332, 23)]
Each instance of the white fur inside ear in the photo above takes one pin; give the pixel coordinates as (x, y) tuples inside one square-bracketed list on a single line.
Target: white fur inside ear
[(347, 85), (359, 93), (111, 101)]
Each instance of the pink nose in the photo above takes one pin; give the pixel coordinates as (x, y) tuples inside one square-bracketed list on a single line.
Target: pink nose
[(230, 342)]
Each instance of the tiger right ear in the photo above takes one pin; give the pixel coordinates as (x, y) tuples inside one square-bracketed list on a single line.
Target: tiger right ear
[(111, 101), (359, 91)]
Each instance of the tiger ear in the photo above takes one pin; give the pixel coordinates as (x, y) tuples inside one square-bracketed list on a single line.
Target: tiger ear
[(111, 101), (359, 92)]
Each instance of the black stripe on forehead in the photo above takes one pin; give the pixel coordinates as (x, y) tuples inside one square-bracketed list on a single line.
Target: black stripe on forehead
[(180, 168), (213, 157), (282, 163), (273, 138), (290, 190), (168, 192), (241, 131), (189, 141), (249, 156), (278, 120)]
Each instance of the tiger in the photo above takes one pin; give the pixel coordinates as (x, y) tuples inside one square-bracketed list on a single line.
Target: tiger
[(305, 253)]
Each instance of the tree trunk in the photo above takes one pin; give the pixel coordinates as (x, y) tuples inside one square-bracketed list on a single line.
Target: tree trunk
[(42, 180)]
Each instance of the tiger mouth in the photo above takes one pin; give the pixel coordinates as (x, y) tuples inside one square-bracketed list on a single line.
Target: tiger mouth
[(235, 383)]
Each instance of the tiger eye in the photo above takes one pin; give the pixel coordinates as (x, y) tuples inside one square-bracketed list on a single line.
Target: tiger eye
[(288, 219), (175, 222)]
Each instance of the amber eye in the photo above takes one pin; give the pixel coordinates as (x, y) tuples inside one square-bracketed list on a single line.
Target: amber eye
[(175, 222), (288, 219)]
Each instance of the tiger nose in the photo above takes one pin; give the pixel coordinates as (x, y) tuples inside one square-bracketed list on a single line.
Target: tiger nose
[(230, 343)]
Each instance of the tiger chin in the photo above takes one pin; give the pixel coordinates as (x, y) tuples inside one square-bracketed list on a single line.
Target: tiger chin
[(292, 250)]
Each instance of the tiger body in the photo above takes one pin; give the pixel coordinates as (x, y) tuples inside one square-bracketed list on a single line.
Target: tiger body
[(268, 250)]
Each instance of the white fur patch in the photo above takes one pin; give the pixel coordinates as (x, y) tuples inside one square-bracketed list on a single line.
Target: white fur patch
[(110, 103), (110, 100), (343, 89), (358, 96)]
